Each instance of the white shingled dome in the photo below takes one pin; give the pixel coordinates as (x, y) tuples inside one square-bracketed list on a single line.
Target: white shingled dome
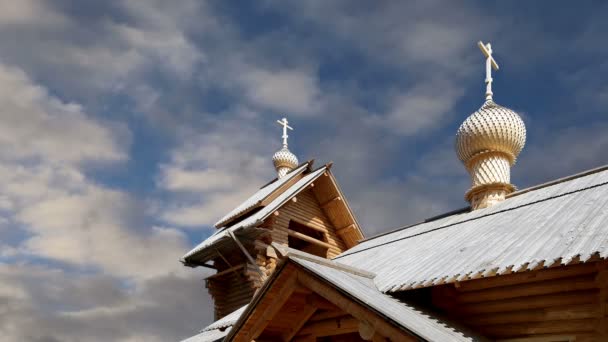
[(284, 159), (491, 128)]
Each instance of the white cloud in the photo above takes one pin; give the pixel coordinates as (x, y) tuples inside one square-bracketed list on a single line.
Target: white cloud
[(37, 125), (47, 304), (291, 91), (207, 175), (421, 108)]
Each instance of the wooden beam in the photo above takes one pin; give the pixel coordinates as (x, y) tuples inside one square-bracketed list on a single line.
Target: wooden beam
[(330, 201), (308, 238), (532, 302), (249, 257), (319, 316), (529, 289), (366, 330), (353, 308), (554, 313), (341, 231), (306, 313), (261, 321), (533, 328), (527, 276), (331, 327), (319, 302), (226, 271), (601, 281)]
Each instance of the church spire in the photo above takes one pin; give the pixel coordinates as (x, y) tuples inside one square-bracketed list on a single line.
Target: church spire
[(283, 160), (488, 143)]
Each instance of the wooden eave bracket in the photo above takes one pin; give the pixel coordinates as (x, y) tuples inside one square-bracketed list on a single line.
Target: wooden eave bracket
[(244, 250)]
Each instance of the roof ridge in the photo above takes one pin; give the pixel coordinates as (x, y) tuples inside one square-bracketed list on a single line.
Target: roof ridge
[(297, 254), (475, 218), (559, 180), (516, 193)]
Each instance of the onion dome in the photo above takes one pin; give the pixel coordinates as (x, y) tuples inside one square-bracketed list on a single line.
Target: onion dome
[(284, 161), (491, 128), (488, 143)]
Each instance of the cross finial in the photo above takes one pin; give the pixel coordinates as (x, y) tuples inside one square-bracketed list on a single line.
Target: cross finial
[(283, 122), (490, 63)]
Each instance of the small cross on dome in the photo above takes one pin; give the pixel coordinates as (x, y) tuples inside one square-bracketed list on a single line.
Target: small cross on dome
[(490, 63), (283, 122)]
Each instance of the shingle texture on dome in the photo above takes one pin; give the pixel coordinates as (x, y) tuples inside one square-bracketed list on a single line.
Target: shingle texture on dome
[(491, 128), (284, 157)]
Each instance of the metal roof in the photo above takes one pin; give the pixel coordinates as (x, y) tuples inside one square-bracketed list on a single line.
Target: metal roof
[(258, 217), (421, 323), (255, 199), (556, 224), (217, 330), (226, 321), (208, 336)]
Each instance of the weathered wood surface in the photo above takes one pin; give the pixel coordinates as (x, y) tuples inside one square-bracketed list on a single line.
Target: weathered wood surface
[(564, 301)]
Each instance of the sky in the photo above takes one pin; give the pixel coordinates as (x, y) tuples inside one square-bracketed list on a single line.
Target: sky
[(127, 128)]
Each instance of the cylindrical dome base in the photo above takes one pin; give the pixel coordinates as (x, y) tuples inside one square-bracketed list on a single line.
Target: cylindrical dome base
[(487, 195), (282, 171), (489, 168)]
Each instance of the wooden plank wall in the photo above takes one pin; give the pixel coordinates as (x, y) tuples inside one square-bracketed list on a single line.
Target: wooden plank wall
[(230, 292), (307, 211), (563, 301)]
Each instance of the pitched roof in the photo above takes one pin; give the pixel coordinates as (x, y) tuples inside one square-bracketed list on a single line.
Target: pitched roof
[(208, 336), (423, 324), (217, 330), (555, 224), (253, 220), (359, 285), (254, 200)]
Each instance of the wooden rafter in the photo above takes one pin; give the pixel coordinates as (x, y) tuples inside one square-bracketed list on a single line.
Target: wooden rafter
[(305, 315)]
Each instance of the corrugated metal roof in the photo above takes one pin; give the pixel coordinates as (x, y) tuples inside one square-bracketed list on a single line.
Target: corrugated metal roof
[(421, 323), (226, 321), (540, 228), (255, 199), (259, 216), (208, 336)]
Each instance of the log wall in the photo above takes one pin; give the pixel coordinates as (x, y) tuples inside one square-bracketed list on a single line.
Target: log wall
[(564, 302), (306, 210), (230, 291)]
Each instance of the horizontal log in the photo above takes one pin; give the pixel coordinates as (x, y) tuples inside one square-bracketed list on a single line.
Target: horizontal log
[(548, 327), (323, 315), (556, 313), (532, 302), (330, 327), (529, 289), (527, 276), (308, 239)]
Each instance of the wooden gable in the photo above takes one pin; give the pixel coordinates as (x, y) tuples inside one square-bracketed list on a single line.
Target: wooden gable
[(319, 216), (297, 306), (316, 220)]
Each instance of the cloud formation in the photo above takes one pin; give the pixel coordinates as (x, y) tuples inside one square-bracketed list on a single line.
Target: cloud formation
[(129, 127)]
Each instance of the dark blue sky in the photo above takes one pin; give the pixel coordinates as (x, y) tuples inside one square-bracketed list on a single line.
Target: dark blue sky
[(130, 127)]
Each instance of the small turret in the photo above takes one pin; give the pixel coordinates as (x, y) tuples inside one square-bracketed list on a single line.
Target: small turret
[(488, 143), (283, 160)]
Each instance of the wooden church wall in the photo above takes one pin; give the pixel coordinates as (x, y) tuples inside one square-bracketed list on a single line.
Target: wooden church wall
[(568, 302), (306, 210), (230, 291)]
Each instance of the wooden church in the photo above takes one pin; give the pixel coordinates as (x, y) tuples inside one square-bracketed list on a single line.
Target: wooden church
[(292, 263)]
